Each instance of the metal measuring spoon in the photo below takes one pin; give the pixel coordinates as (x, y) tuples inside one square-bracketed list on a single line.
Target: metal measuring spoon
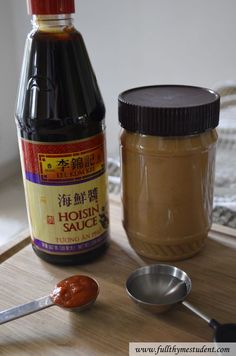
[(63, 295), (158, 287)]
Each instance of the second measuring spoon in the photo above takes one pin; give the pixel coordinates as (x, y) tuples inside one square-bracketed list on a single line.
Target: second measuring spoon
[(158, 287)]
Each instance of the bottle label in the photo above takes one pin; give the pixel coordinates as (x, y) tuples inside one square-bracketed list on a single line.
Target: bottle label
[(66, 194)]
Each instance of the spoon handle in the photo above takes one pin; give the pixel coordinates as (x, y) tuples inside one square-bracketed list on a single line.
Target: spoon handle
[(197, 311), (25, 309)]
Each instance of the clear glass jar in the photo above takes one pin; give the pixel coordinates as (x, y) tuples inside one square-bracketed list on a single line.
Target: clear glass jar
[(167, 189)]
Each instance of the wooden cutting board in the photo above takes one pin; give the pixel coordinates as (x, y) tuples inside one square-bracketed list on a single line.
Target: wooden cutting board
[(114, 321)]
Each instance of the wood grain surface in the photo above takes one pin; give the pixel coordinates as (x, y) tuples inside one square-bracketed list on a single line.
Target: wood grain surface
[(114, 321), (14, 245)]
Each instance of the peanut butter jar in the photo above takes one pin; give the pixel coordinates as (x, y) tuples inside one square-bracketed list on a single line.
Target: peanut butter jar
[(167, 146)]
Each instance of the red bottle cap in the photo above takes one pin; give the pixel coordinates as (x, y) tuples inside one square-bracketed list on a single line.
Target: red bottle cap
[(50, 7)]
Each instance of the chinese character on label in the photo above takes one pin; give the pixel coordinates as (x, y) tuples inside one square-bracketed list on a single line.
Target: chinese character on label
[(64, 200), (77, 163), (79, 198), (93, 195), (63, 163)]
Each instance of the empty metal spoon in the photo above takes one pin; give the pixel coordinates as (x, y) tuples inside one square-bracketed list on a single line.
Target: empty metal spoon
[(73, 293), (158, 287)]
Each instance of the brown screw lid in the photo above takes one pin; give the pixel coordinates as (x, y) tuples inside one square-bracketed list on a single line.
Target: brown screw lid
[(169, 110)]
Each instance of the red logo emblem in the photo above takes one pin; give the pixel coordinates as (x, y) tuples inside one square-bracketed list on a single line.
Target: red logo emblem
[(50, 220)]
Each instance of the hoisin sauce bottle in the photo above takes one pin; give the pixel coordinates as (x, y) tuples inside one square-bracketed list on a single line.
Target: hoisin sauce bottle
[(60, 120)]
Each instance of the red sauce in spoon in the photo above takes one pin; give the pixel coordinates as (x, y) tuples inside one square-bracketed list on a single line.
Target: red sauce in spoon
[(75, 291)]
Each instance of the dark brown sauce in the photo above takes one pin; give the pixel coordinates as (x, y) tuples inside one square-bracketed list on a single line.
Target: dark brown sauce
[(59, 100), (69, 104)]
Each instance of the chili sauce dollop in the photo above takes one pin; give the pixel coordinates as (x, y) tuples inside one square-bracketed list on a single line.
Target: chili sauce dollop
[(75, 291)]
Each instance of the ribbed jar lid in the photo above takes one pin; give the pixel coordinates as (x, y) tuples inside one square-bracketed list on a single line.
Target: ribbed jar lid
[(169, 110)]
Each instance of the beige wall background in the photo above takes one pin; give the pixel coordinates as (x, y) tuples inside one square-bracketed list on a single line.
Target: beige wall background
[(131, 43)]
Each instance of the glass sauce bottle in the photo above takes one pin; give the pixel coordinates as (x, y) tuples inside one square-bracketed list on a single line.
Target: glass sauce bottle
[(60, 120)]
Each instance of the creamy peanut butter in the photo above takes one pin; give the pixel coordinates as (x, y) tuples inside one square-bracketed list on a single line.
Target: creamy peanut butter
[(167, 180), (167, 193)]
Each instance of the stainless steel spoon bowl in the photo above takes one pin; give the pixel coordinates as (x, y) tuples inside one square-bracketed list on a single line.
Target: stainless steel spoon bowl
[(158, 287)]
